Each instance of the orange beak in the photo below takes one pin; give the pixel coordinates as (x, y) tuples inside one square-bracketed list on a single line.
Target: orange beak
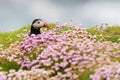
[(46, 25)]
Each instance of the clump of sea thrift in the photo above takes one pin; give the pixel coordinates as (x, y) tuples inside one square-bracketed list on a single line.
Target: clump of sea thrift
[(109, 72), (12, 53), (58, 27), (32, 42), (71, 58), (62, 55), (33, 74), (69, 54)]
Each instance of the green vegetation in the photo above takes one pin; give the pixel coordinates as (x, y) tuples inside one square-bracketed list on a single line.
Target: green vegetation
[(111, 33), (10, 37), (8, 65)]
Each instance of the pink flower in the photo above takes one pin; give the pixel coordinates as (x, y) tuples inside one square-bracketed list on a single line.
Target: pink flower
[(56, 68), (75, 62), (63, 64), (3, 76), (69, 74)]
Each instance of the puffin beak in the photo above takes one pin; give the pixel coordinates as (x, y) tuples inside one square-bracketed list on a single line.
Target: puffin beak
[(46, 25)]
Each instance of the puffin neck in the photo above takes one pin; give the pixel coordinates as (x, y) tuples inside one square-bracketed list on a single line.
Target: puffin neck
[(35, 31)]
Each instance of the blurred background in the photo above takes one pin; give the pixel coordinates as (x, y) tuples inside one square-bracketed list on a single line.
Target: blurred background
[(18, 13)]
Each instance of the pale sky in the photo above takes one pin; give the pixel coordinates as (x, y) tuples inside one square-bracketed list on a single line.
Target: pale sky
[(18, 13)]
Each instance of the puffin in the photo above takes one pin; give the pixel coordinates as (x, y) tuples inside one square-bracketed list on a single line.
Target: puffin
[(36, 25)]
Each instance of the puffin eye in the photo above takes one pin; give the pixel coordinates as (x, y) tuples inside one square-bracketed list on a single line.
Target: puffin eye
[(38, 22)]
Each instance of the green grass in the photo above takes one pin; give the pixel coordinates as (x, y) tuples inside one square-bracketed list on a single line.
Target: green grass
[(10, 37), (93, 31), (111, 33), (114, 30), (86, 75), (7, 65)]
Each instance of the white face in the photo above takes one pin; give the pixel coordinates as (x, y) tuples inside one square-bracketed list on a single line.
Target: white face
[(38, 24)]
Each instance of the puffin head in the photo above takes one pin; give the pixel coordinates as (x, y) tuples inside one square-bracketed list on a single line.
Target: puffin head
[(39, 23), (36, 25)]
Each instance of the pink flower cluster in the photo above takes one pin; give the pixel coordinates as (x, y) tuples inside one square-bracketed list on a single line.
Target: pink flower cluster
[(70, 59), (62, 56), (3, 76), (71, 56), (33, 74), (58, 27), (32, 42), (108, 72), (12, 53)]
